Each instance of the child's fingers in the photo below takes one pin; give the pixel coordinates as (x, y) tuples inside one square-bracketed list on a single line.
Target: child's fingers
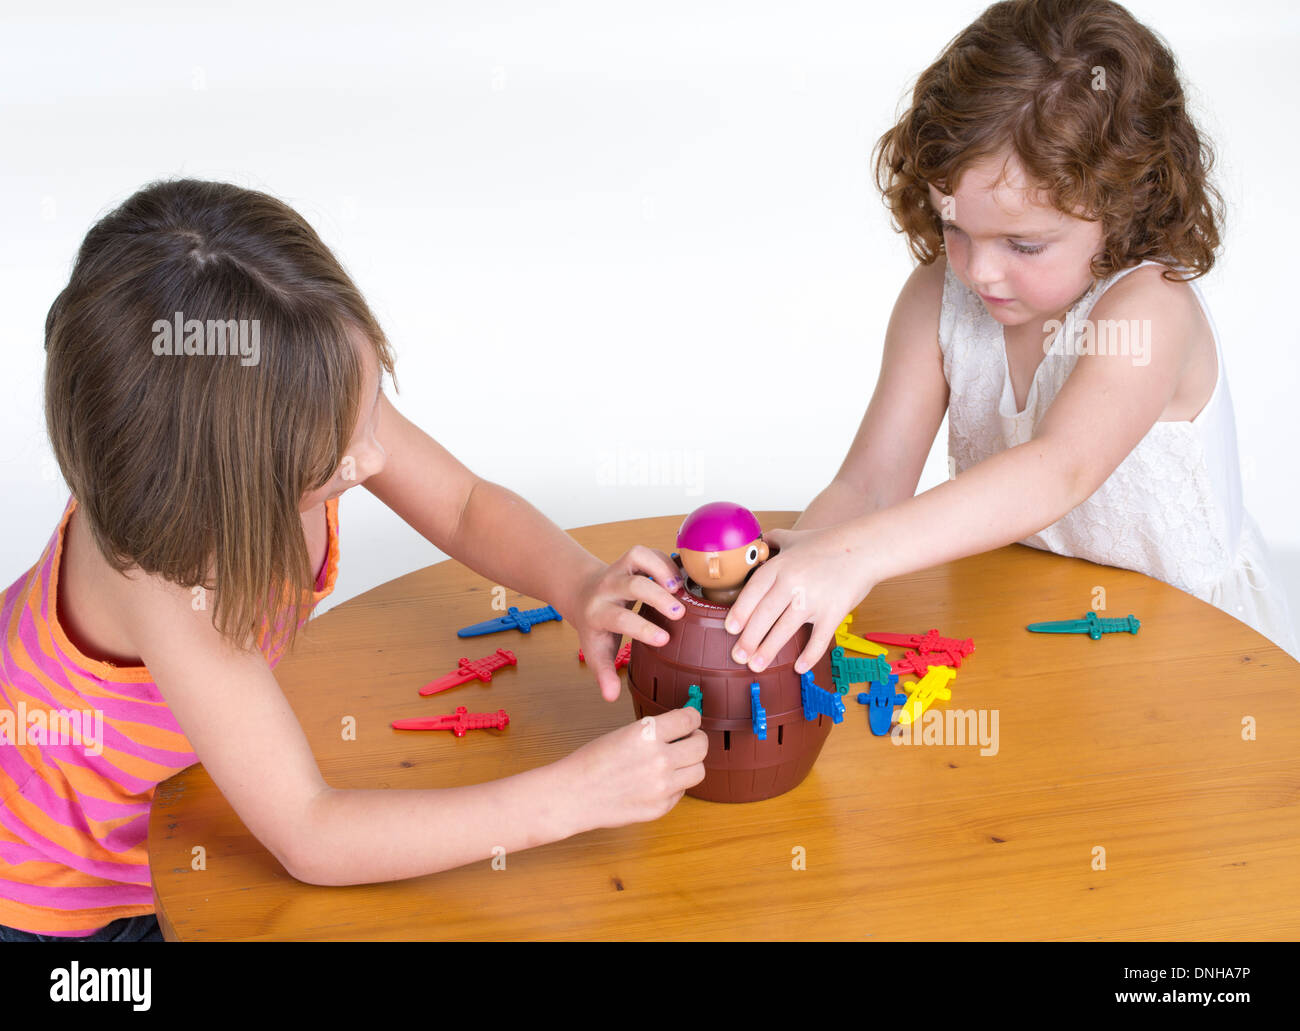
[(754, 591), (626, 622), (822, 636), (687, 757), (784, 629), (608, 682), (639, 588), (607, 679), (767, 612), (600, 663), (652, 563), (688, 777), (646, 632), (676, 724), (690, 750)]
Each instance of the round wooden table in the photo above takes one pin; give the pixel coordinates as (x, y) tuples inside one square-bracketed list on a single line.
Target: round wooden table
[(1137, 787)]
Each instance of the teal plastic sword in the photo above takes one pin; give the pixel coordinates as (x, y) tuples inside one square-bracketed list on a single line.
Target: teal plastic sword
[(1090, 624)]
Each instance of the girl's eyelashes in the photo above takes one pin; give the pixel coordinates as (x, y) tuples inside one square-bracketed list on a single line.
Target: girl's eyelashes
[(1018, 248)]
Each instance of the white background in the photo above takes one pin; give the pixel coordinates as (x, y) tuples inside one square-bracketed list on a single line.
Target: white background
[(563, 214)]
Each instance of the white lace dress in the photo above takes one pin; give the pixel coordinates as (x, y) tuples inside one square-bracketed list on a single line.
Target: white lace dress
[(1172, 509)]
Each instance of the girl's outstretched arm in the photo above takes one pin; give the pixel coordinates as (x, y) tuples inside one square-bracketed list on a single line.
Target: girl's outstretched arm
[(1108, 404), (884, 462), (498, 534)]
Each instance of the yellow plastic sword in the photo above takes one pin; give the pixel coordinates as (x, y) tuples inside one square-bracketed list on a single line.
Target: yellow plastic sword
[(855, 643), (930, 688)]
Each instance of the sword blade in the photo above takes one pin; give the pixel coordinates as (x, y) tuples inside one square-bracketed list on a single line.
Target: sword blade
[(1060, 626), (490, 626)]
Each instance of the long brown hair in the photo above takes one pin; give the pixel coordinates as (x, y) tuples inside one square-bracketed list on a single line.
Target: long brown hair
[(193, 467), (1089, 100)]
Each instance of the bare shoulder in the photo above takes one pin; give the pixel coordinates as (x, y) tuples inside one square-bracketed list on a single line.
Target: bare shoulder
[(1167, 313), (915, 319), (924, 287), (104, 610), (1146, 289), (158, 616), (151, 611), (1147, 303)]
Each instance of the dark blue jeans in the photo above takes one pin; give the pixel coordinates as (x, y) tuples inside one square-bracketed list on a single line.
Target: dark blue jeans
[(128, 929)]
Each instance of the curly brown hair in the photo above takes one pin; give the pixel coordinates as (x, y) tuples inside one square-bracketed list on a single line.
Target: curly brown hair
[(1089, 101)]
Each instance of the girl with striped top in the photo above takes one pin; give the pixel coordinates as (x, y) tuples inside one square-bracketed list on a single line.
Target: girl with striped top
[(203, 528)]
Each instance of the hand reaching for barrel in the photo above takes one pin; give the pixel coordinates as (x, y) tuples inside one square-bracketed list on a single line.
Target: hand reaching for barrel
[(818, 577), (635, 773), (602, 614)]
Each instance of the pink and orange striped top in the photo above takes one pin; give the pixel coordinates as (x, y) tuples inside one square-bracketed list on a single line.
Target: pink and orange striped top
[(83, 745)]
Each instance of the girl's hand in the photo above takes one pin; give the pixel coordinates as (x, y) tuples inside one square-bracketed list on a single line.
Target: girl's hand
[(635, 773), (819, 577), (602, 615)]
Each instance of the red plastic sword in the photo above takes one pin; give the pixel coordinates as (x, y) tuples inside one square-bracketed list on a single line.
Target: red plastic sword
[(918, 664), (458, 723), (927, 642), (623, 657), (471, 669)]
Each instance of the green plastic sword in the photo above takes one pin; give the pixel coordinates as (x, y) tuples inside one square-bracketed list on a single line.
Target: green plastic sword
[(1090, 624)]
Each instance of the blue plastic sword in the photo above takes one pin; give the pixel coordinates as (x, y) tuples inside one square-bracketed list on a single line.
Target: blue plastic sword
[(512, 620), (818, 701), (757, 713), (1089, 624)]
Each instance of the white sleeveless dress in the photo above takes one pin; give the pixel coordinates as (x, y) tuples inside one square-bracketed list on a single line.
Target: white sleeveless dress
[(1172, 509)]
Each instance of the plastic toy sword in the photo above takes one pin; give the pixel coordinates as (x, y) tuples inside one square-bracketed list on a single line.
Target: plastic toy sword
[(882, 698), (1091, 624), (918, 664), (817, 701), (930, 688), (514, 619), (471, 669), (757, 713), (458, 723), (930, 641), (853, 642), (623, 657), (851, 669)]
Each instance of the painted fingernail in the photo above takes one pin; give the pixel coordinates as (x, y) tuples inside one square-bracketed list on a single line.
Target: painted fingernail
[(673, 584), (739, 655), (677, 608)]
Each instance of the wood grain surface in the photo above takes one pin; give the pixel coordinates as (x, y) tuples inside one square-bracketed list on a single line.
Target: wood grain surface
[(1132, 745)]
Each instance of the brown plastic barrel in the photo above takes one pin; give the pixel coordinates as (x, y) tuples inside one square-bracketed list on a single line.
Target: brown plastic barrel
[(739, 767)]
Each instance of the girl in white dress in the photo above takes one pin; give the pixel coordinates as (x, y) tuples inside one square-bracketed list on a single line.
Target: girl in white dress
[(1057, 195)]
